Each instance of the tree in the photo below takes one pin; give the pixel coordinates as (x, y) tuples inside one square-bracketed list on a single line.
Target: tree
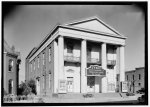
[(32, 85)]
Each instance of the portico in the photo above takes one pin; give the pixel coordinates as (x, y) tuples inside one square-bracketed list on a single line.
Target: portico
[(78, 48)]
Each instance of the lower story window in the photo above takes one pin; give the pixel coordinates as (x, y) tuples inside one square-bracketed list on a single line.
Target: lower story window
[(10, 86)]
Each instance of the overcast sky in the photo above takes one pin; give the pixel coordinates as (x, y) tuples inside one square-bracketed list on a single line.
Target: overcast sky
[(26, 27)]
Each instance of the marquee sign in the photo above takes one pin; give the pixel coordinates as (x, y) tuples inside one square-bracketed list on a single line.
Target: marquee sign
[(95, 70)]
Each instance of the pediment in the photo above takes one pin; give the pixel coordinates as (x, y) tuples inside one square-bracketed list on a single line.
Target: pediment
[(94, 24)]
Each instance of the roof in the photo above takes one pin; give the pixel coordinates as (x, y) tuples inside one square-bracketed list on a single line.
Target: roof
[(95, 24), (10, 50), (83, 25)]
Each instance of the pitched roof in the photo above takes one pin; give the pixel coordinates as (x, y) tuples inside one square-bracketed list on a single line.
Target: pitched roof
[(94, 24)]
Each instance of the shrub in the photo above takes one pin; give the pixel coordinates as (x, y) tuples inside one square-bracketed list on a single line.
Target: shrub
[(142, 90)]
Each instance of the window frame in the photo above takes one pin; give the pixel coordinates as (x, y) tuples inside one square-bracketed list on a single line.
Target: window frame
[(10, 65)]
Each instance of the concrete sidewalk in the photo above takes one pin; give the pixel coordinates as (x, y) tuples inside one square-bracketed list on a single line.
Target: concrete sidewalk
[(88, 100)]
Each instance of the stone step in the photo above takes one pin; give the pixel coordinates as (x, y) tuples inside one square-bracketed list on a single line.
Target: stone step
[(89, 95)]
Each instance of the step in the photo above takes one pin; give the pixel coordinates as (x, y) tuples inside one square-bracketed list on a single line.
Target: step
[(81, 95)]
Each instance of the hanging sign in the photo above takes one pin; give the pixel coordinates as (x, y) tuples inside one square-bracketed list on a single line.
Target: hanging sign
[(95, 70), (124, 86)]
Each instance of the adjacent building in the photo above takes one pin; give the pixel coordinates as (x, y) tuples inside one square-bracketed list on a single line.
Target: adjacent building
[(135, 79), (11, 61), (79, 57)]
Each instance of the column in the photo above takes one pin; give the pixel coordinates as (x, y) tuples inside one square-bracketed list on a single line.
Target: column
[(104, 66), (61, 57), (122, 64), (83, 66), (55, 90)]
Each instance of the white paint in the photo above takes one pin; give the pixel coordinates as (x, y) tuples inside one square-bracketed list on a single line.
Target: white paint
[(61, 57), (104, 79), (94, 25), (91, 36), (122, 64), (55, 67), (83, 66), (75, 73)]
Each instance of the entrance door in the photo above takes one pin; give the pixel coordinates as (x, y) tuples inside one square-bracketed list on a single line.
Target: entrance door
[(91, 83), (70, 84)]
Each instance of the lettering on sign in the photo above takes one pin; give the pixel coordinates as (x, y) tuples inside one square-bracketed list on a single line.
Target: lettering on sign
[(95, 70)]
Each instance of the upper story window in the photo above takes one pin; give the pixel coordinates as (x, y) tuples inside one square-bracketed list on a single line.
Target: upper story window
[(31, 67), (43, 58), (34, 65), (49, 52), (11, 63), (38, 62), (70, 48), (139, 76), (133, 77)]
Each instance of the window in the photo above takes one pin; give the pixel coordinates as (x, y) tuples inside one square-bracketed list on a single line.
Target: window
[(139, 84), (43, 81), (127, 77), (133, 77), (49, 54), (89, 52), (11, 64), (139, 76), (49, 80), (69, 48), (10, 85), (43, 58), (31, 67), (34, 65), (38, 62)]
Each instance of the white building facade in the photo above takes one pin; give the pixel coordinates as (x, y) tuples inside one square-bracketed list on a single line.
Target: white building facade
[(86, 57)]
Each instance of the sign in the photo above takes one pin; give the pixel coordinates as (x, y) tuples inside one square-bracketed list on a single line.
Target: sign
[(95, 70), (62, 86), (124, 86)]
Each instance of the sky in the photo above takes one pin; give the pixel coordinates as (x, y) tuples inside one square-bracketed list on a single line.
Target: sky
[(27, 25)]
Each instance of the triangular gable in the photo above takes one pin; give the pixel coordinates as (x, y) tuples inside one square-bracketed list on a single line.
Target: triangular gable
[(94, 24)]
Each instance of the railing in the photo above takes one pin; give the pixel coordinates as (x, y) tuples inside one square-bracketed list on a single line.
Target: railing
[(93, 60), (111, 62), (72, 59)]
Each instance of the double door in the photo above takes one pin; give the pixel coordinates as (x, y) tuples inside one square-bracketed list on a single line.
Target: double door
[(69, 84)]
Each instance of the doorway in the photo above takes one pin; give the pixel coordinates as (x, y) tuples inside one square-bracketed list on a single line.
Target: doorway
[(69, 84), (91, 83)]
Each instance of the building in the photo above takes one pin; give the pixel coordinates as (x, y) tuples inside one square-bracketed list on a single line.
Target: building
[(136, 79), (79, 57), (11, 69)]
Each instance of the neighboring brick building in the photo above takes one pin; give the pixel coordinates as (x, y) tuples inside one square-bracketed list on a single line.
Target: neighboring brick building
[(79, 57), (11, 61), (135, 79)]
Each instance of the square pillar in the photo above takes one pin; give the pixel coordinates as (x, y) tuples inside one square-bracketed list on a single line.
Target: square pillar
[(61, 57), (104, 66), (83, 66), (55, 90), (122, 64)]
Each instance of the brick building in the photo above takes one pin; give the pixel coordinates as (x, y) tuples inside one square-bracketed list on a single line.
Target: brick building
[(135, 79), (79, 57), (11, 61)]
